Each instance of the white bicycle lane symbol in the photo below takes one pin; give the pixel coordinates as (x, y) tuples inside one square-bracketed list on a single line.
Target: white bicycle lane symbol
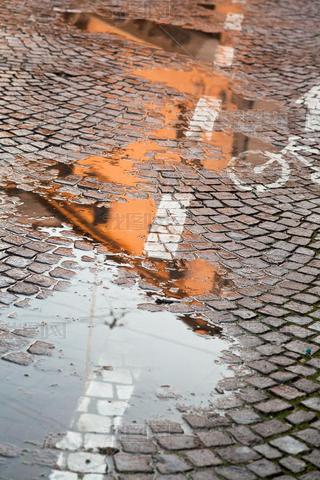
[(294, 148)]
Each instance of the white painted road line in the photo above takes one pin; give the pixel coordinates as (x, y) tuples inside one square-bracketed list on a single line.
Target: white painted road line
[(100, 413), (311, 100), (204, 117), (223, 56), (167, 228), (233, 21)]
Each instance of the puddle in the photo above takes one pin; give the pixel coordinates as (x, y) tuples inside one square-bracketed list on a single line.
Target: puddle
[(196, 81), (243, 143), (122, 228), (116, 170), (171, 38), (93, 332), (207, 6)]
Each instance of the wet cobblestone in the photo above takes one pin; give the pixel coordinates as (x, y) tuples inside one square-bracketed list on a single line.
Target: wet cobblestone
[(266, 243)]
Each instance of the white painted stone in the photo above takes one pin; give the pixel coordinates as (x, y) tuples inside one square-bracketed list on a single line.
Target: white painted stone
[(162, 212), (233, 21), (83, 462), (223, 56), (153, 237), (158, 229), (99, 389), (118, 375), (168, 205), (184, 196), (166, 237), (163, 256), (172, 247), (62, 460), (71, 441), (93, 476), (174, 222), (154, 247), (162, 221), (89, 422), (185, 203), (117, 422), (95, 440), (204, 117), (124, 392), (83, 404), (311, 100), (178, 219), (112, 408), (175, 229), (59, 475)]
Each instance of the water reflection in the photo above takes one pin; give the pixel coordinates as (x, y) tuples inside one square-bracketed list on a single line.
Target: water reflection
[(221, 144), (116, 170), (123, 228), (171, 38)]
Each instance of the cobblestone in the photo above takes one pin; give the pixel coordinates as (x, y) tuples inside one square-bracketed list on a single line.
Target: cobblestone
[(68, 96)]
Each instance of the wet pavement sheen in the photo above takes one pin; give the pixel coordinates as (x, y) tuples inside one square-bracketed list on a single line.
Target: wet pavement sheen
[(159, 220)]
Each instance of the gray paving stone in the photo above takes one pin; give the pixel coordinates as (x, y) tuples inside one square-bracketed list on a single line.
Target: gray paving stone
[(237, 454), (165, 426), (269, 452), (235, 473), (170, 463), (313, 403), (244, 416), (310, 436), (289, 445), (214, 438), (313, 458), (8, 450), (41, 348), (244, 435), (300, 416), (198, 421), (137, 444), (273, 406), (202, 458), (132, 463), (177, 442), (263, 366), (20, 358), (306, 385), (302, 347), (271, 427), (264, 468), (293, 464), (23, 288), (314, 475)]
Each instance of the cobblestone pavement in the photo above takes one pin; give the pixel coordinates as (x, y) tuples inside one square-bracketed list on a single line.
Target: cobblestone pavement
[(113, 149)]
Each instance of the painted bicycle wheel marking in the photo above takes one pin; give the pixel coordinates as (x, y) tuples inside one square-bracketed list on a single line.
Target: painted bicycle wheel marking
[(311, 100)]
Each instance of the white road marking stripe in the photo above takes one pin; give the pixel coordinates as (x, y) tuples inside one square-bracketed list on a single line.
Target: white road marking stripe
[(107, 395), (233, 21), (204, 117), (167, 228), (223, 56), (311, 100)]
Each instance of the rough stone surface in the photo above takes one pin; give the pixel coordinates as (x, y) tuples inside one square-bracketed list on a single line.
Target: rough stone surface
[(68, 95)]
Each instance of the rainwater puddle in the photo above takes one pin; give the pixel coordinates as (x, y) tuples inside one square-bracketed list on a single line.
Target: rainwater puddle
[(110, 347), (171, 38), (122, 228)]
